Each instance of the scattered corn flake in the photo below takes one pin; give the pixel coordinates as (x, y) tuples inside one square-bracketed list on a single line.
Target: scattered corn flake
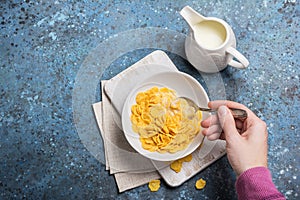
[(187, 158), (154, 185), (200, 184), (176, 166)]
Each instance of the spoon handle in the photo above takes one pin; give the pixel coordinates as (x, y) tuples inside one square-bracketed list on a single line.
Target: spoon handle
[(236, 113)]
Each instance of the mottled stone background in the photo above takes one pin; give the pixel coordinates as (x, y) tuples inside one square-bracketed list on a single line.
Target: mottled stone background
[(43, 49)]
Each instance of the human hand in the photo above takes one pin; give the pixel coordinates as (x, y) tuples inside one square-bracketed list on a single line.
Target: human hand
[(246, 141)]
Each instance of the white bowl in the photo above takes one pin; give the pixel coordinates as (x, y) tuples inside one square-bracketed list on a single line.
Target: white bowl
[(184, 85)]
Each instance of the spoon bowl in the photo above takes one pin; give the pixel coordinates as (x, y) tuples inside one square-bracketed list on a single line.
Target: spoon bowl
[(236, 112)]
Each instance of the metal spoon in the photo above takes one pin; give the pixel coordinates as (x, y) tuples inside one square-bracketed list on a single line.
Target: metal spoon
[(236, 112)]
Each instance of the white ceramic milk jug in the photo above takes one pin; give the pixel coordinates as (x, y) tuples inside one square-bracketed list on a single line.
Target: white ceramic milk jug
[(211, 44)]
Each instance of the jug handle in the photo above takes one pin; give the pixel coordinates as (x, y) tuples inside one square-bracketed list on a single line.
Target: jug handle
[(243, 62)]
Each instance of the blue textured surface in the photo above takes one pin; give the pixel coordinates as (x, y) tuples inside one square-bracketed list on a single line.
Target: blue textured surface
[(44, 45)]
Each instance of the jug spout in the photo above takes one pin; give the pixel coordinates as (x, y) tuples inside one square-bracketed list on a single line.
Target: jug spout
[(191, 16)]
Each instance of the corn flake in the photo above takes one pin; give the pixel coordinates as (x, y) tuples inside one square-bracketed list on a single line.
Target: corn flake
[(187, 158), (177, 164), (200, 184), (154, 185)]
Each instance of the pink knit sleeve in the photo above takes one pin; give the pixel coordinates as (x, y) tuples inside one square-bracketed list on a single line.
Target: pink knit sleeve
[(256, 183)]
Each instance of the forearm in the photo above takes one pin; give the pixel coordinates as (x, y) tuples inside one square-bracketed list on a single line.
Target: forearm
[(256, 183)]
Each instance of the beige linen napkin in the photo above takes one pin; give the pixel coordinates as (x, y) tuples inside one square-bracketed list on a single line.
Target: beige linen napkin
[(121, 159), (97, 107)]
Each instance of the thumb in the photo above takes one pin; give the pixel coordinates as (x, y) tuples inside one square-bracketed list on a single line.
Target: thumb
[(227, 123)]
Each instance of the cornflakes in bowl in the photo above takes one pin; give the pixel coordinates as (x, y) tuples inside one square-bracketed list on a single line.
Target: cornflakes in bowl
[(157, 124)]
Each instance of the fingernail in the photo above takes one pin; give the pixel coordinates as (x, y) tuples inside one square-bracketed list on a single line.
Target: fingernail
[(222, 110)]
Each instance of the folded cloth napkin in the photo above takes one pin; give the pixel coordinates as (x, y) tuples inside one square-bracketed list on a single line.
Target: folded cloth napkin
[(121, 159)]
